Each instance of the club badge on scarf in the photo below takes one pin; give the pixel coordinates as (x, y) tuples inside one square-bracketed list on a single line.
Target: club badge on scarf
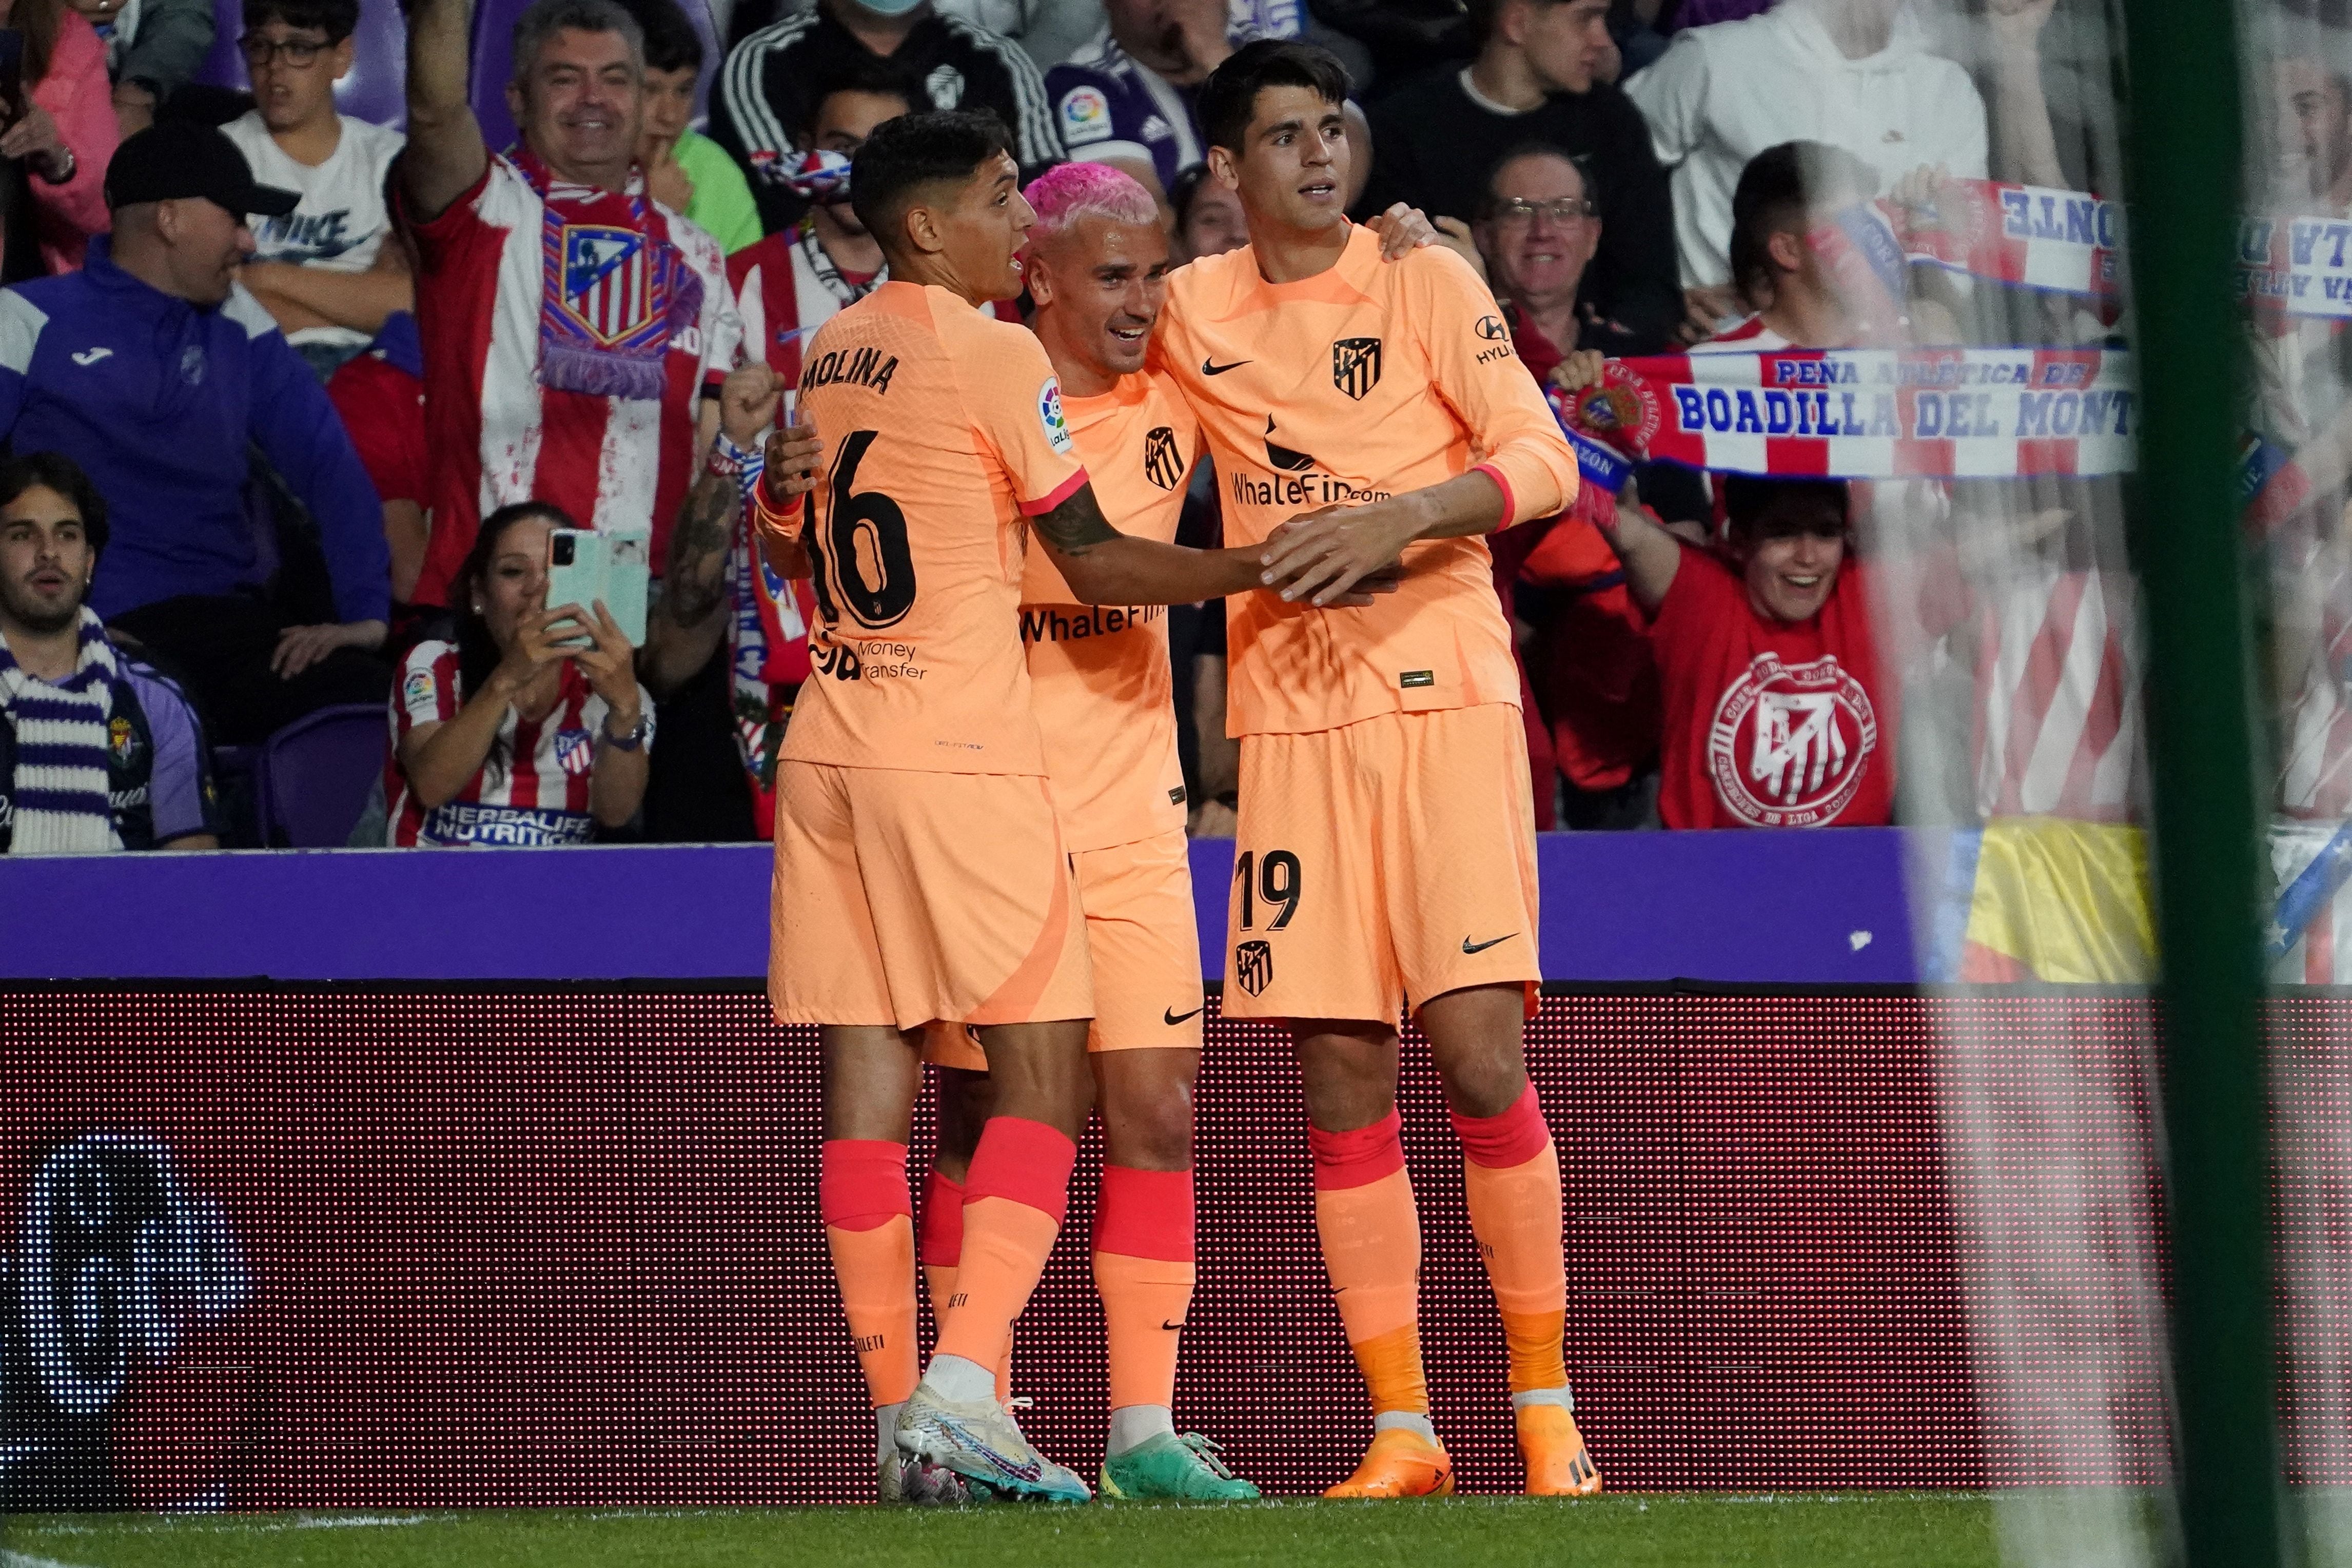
[(1870, 414), (613, 289), (2063, 241)]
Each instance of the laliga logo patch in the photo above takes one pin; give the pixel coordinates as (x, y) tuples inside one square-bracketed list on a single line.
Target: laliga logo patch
[(1049, 415), (417, 689), (575, 752), (1789, 743), (1086, 116)]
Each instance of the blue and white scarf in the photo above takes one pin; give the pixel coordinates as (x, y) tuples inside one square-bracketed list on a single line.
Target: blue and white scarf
[(62, 745)]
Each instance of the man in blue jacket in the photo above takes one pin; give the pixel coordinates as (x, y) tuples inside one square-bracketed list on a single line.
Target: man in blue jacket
[(156, 372)]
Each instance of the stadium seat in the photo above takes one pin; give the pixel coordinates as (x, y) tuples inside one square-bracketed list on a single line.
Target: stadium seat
[(377, 88), (314, 775), (494, 22)]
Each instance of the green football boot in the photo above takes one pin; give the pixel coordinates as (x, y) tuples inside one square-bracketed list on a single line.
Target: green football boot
[(1168, 1465)]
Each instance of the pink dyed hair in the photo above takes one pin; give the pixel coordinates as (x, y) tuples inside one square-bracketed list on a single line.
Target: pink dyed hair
[(1068, 191)]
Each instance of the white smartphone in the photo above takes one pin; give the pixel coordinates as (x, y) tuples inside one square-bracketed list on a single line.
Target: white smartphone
[(586, 564)]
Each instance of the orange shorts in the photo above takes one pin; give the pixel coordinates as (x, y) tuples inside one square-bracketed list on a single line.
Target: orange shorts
[(902, 897), (1394, 857), (1144, 942)]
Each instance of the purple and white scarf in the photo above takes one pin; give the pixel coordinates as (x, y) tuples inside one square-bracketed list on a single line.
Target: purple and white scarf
[(613, 289), (60, 802)]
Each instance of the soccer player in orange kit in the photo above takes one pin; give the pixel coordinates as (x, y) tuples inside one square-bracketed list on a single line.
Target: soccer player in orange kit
[(1360, 415), (921, 873), (1097, 266)]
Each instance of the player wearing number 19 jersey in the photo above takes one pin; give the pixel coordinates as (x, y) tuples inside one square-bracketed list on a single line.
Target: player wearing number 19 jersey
[(1361, 413)]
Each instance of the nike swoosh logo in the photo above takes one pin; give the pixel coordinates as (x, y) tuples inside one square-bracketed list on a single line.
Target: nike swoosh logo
[(1210, 367), (91, 356), (1468, 946), (1171, 1328), (1172, 1017)]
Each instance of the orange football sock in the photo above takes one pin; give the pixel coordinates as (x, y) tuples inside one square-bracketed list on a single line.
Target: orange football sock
[(1511, 1174), (940, 1243), (1144, 1273), (869, 1229), (1372, 1245), (1012, 1204)]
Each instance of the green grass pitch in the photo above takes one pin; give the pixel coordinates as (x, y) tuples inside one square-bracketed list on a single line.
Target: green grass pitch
[(1846, 1530)]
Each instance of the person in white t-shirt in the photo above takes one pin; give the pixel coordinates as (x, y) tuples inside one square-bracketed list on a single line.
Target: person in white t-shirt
[(323, 270), (1856, 74)]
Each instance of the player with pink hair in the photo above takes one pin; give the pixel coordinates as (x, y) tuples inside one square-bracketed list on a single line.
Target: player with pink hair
[(1097, 266)]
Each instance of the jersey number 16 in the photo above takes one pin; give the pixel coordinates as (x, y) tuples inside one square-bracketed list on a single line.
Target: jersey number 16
[(858, 548)]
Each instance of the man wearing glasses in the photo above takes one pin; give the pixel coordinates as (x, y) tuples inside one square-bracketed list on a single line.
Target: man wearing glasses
[(323, 271)]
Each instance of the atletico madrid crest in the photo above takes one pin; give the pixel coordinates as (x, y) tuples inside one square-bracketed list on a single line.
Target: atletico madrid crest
[(1162, 464), (608, 283), (1355, 365)]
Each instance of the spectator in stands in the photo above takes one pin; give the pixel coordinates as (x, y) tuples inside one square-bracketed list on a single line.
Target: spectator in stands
[(1436, 141), (323, 271), (686, 170), (1775, 715), (380, 392), (504, 736), (153, 48), (794, 280), (598, 404), (98, 751), (1208, 216), (1048, 31), (763, 90), (1857, 74), (156, 372), (52, 183), (1538, 229), (1125, 99), (1782, 195)]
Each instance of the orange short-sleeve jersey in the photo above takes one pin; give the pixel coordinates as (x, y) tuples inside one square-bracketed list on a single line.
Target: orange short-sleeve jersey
[(1368, 380), (942, 429), (1099, 676)]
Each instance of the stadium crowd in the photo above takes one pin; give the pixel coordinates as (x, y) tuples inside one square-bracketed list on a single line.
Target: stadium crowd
[(301, 400)]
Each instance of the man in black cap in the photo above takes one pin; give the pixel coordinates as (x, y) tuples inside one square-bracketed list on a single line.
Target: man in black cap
[(155, 370)]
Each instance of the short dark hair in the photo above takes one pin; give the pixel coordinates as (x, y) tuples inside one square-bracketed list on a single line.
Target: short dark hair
[(1189, 181), (903, 155), (339, 19), (1534, 148), (56, 471), (1775, 191), (1229, 98), (671, 42), (1747, 497), (863, 72)]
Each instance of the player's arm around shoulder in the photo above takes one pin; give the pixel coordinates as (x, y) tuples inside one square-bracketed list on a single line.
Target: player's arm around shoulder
[(1480, 377)]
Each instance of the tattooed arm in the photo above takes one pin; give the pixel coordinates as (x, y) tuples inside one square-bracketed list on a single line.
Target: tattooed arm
[(1104, 566), (685, 627)]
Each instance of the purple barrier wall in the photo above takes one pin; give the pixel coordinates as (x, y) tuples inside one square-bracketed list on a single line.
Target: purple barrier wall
[(1739, 908)]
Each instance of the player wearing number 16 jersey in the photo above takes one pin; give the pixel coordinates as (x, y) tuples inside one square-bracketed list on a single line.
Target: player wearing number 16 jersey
[(1361, 413), (920, 872)]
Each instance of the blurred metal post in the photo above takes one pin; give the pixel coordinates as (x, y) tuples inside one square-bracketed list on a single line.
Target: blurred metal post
[(2182, 131)]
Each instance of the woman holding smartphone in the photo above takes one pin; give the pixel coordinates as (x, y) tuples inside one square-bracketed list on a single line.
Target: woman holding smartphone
[(59, 135), (507, 736)]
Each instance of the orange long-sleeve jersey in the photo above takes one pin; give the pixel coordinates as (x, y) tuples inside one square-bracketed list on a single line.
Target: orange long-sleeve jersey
[(1368, 380)]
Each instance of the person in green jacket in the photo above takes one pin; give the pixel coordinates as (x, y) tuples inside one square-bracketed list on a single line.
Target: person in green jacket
[(685, 170)]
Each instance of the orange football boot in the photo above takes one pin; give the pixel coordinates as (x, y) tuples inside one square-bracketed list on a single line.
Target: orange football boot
[(1400, 1463), (1558, 1464)]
